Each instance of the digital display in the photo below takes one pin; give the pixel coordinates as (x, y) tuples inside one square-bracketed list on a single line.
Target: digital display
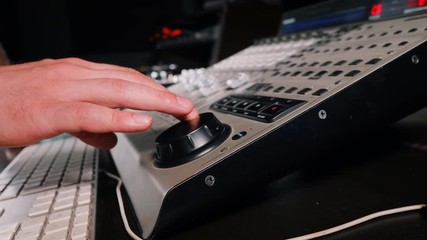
[(291, 25), (336, 12), (325, 14), (394, 8)]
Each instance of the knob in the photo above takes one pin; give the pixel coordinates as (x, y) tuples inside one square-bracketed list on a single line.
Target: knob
[(187, 140), (241, 79)]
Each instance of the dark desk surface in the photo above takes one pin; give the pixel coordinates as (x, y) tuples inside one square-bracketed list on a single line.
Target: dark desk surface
[(388, 170)]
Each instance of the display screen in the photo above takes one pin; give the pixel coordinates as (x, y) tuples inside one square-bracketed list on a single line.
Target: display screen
[(291, 25), (337, 12), (394, 8), (324, 14)]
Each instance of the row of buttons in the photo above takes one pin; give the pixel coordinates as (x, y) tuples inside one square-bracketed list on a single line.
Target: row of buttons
[(267, 87), (264, 109)]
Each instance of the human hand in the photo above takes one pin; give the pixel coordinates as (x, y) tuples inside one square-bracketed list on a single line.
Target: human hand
[(43, 99)]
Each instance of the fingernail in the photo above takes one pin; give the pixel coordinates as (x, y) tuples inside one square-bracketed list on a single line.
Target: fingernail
[(141, 119), (184, 102)]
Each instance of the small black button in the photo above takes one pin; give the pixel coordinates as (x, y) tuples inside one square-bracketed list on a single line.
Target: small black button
[(257, 106), (291, 90), (304, 91), (355, 62), (319, 92), (319, 75), (267, 99), (275, 74), (237, 111), (223, 108), (274, 109), (374, 61), (291, 102), (215, 106), (268, 88), (308, 73), (233, 102), (335, 73), (278, 89), (244, 104), (264, 117), (239, 135), (250, 114), (224, 101), (326, 63), (256, 87), (340, 63), (352, 73)]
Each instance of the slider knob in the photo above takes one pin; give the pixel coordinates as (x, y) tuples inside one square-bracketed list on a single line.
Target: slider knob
[(187, 140)]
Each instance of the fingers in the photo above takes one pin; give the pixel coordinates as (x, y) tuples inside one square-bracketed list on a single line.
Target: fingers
[(112, 71), (87, 117), (75, 68), (76, 96), (193, 115), (116, 93), (99, 140)]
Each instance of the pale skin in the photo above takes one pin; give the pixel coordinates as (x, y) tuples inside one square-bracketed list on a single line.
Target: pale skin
[(43, 99)]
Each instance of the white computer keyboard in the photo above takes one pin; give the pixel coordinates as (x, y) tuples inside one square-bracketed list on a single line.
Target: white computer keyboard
[(48, 192)]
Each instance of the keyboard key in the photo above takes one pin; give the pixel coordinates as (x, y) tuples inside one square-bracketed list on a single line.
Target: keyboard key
[(57, 226), (81, 220), (9, 228), (5, 181), (82, 210), (58, 235), (39, 210), (83, 199), (38, 189), (46, 194), (11, 191), (7, 235), (63, 204), (87, 176), (70, 179), (43, 201), (79, 232), (28, 233), (59, 216), (85, 187), (65, 195), (33, 222)]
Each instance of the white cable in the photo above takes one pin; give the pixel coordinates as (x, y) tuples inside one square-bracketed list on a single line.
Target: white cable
[(121, 206), (305, 237), (358, 221)]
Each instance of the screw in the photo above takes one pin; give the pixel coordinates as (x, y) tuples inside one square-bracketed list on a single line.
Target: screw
[(322, 114), (210, 180), (223, 149), (415, 59)]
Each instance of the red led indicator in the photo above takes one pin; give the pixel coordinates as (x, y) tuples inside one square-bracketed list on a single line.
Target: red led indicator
[(422, 3), (377, 8), (274, 108)]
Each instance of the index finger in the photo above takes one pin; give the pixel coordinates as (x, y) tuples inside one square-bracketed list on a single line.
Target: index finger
[(117, 93)]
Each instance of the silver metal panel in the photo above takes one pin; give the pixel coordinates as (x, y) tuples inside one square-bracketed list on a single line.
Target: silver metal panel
[(287, 63)]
